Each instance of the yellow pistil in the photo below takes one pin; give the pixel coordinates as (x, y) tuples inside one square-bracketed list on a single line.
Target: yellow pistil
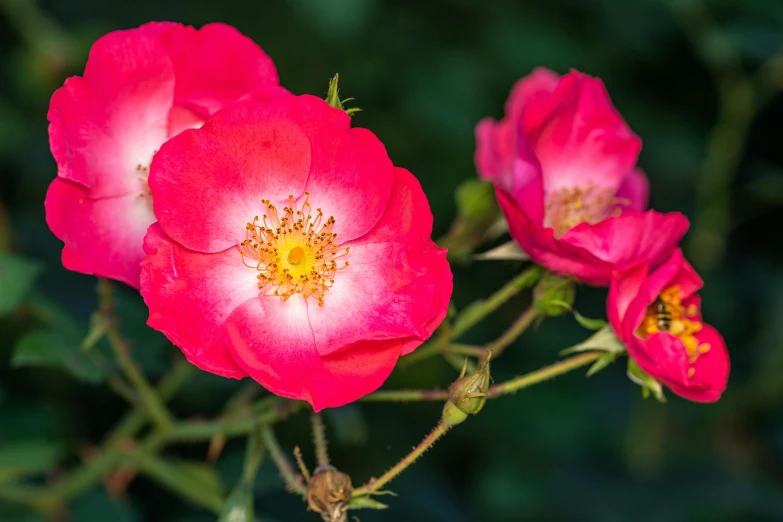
[(681, 320), (294, 253), (566, 207)]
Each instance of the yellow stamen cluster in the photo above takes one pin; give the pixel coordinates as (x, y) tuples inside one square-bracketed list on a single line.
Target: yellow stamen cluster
[(566, 207), (294, 252), (684, 324)]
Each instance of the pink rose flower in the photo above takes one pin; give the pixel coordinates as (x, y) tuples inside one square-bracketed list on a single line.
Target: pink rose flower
[(564, 165), (657, 314), (290, 249), (140, 87)]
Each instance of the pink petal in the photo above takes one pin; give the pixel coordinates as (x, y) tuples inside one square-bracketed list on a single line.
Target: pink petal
[(623, 290), (408, 218), (664, 358), (356, 186), (389, 291), (496, 142), (190, 295), (542, 247), (711, 370), (216, 65), (530, 90), (208, 183), (181, 118), (273, 343), (104, 125), (102, 236), (579, 137), (634, 191), (527, 182), (621, 240)]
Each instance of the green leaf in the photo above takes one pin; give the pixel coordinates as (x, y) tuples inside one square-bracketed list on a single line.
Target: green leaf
[(602, 362), (50, 349), (604, 340), (239, 505), (17, 275), (98, 327), (509, 251), (475, 199), (366, 502), (28, 458), (649, 385), (590, 324), (194, 481)]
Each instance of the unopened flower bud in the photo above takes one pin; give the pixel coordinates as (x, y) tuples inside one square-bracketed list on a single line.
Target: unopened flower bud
[(467, 394), (329, 493), (554, 295)]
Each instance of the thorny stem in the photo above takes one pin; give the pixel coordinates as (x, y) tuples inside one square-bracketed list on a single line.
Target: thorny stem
[(510, 386), (319, 439), (375, 485), (281, 461), (155, 408)]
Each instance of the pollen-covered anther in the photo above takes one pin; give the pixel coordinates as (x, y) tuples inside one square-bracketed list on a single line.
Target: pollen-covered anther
[(294, 251), (681, 320), (566, 207)]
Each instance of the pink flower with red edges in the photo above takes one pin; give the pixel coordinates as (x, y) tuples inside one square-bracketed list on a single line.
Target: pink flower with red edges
[(657, 314), (140, 87), (290, 249), (564, 165)]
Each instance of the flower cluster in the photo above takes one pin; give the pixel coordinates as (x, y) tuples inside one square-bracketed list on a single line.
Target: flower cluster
[(563, 162), (271, 239), (268, 237)]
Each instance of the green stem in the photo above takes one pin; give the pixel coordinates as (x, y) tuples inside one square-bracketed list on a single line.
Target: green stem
[(375, 485), (406, 396), (481, 309), (319, 440), (281, 461), (149, 398), (158, 471), (543, 374), (513, 332), (166, 388), (510, 386), (152, 403)]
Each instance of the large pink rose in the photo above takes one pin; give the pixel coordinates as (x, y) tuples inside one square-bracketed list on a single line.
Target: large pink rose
[(657, 314), (564, 165), (290, 249), (139, 88)]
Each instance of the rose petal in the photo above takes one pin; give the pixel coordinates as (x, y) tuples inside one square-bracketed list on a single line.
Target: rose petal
[(102, 236), (216, 65), (106, 124), (579, 137), (190, 296), (272, 341), (208, 183), (356, 186), (634, 192)]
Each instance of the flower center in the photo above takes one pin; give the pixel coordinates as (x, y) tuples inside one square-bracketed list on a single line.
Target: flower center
[(568, 206), (143, 172), (294, 252), (668, 314)]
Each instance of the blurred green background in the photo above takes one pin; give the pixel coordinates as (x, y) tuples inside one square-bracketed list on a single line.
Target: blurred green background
[(697, 81)]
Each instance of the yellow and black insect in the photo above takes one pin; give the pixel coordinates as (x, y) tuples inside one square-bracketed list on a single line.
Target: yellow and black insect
[(663, 314)]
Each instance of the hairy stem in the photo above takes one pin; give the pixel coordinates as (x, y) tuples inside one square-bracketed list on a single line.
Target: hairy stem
[(375, 485), (281, 461), (319, 439), (543, 374)]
